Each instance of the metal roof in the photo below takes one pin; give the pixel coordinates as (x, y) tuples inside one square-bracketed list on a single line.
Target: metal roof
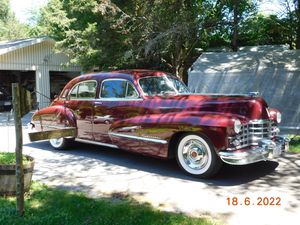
[(8, 46)]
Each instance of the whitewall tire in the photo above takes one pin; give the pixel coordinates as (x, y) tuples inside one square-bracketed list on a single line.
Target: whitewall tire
[(196, 156), (59, 143)]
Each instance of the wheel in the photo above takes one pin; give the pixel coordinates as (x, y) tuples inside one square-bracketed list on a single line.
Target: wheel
[(60, 143), (197, 157)]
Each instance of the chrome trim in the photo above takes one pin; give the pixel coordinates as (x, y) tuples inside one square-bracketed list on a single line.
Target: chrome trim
[(54, 126), (253, 132), (130, 128), (96, 143), (119, 99), (139, 138), (82, 99), (262, 152)]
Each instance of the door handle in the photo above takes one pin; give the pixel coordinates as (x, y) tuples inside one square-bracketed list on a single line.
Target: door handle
[(98, 103)]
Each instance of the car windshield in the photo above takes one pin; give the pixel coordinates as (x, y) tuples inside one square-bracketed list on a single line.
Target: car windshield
[(162, 85)]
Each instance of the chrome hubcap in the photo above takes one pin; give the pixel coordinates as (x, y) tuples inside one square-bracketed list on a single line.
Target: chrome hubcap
[(195, 154), (56, 142)]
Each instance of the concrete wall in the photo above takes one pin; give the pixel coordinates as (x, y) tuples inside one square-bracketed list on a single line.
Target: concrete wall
[(274, 72)]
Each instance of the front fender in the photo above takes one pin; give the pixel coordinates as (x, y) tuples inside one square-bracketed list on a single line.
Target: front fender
[(216, 126)]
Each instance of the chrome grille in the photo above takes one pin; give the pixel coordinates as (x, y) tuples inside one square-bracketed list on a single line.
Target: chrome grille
[(253, 132)]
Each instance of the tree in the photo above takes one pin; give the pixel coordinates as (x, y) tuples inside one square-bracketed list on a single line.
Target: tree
[(10, 28), (83, 32), (4, 10), (265, 30), (291, 13), (297, 10), (124, 34), (165, 33), (231, 14)]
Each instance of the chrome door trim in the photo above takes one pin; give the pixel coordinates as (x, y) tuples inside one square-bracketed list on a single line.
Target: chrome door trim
[(95, 143), (160, 141)]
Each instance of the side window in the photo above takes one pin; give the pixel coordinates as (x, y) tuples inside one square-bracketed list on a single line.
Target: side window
[(84, 90), (87, 89), (118, 89)]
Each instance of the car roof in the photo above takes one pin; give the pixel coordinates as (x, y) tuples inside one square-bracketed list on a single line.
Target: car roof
[(134, 74)]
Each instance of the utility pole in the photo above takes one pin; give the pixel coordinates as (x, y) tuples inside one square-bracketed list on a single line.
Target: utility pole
[(18, 150)]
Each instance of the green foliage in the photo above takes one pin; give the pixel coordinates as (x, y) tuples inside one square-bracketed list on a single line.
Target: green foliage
[(10, 28), (83, 32), (112, 35), (229, 17), (4, 10), (265, 30), (161, 34), (50, 206), (295, 144), (10, 158)]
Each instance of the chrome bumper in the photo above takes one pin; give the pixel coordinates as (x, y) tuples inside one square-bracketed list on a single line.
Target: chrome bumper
[(266, 150)]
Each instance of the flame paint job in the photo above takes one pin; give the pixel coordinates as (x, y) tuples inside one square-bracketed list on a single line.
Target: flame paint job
[(150, 118)]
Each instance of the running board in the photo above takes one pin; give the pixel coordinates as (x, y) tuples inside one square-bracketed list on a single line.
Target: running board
[(95, 143)]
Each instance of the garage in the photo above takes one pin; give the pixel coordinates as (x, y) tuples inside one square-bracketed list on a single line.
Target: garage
[(58, 80), (36, 66), (25, 78)]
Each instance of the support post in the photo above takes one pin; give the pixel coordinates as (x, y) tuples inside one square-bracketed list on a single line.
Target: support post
[(18, 150)]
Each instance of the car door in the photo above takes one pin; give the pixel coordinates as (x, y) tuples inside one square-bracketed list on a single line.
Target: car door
[(119, 100), (81, 100)]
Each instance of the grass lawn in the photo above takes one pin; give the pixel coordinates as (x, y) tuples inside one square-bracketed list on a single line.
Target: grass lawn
[(295, 144), (45, 205)]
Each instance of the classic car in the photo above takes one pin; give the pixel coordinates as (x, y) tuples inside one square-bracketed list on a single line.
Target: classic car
[(153, 113)]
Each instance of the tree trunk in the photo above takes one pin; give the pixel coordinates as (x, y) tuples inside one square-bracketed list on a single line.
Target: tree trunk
[(298, 25), (235, 27)]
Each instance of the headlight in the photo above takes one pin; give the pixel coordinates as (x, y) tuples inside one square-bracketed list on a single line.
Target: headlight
[(237, 126), (278, 117)]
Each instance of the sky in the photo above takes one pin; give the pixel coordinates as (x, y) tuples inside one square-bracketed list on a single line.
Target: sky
[(22, 8)]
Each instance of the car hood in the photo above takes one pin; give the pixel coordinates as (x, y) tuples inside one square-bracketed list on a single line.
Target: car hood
[(247, 107)]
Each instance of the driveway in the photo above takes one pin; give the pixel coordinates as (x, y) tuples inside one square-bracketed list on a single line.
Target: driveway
[(101, 171)]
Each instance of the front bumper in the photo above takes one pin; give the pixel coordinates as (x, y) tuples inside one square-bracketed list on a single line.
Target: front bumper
[(266, 150)]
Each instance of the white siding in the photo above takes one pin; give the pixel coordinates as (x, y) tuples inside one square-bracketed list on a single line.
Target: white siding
[(41, 58)]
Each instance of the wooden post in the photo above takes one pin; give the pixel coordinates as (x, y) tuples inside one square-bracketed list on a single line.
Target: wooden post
[(18, 150)]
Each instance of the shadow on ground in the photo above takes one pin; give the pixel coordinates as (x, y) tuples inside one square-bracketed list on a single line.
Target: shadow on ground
[(228, 176), (260, 178)]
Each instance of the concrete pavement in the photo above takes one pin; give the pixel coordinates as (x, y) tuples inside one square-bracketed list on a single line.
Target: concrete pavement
[(100, 171)]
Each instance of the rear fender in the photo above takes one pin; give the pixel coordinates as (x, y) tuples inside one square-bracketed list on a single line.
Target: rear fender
[(53, 117)]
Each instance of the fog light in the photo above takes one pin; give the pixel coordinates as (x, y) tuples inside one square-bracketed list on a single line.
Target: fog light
[(236, 142), (237, 126), (278, 117)]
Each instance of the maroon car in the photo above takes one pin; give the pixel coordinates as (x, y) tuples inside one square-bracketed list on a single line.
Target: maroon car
[(153, 113)]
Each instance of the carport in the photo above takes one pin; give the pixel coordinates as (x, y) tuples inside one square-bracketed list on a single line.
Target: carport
[(36, 66)]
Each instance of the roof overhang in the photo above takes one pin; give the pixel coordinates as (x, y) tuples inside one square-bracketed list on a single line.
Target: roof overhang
[(8, 46)]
